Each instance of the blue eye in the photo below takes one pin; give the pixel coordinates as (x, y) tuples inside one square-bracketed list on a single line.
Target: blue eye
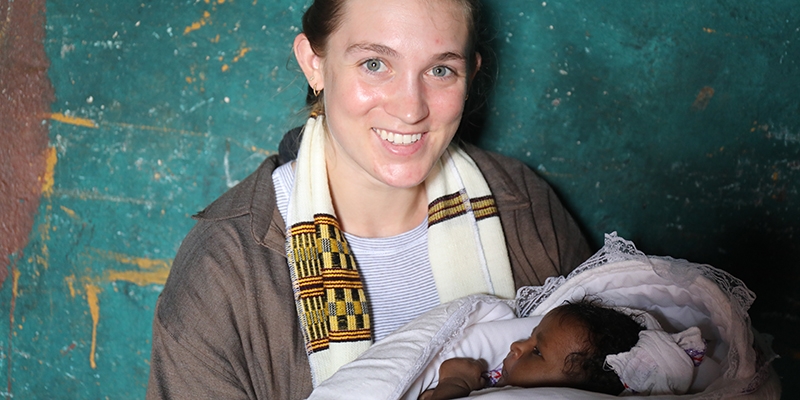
[(440, 71), (373, 65)]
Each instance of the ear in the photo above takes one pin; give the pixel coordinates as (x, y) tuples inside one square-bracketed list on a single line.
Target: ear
[(477, 66), (310, 62)]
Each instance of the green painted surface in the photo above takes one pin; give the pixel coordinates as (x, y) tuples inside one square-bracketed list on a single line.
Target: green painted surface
[(611, 101)]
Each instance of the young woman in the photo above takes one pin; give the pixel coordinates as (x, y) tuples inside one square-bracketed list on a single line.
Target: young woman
[(380, 217)]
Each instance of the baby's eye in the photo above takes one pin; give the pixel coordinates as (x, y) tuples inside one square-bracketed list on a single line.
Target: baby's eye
[(536, 351), (373, 65), (441, 71)]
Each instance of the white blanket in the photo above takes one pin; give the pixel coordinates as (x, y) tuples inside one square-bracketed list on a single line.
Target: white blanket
[(677, 293)]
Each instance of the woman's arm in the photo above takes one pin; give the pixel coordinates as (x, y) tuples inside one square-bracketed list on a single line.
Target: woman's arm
[(225, 325)]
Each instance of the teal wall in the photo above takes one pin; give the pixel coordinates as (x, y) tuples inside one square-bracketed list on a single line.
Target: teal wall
[(674, 122)]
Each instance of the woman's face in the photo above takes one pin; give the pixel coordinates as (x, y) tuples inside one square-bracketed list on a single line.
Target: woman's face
[(395, 80)]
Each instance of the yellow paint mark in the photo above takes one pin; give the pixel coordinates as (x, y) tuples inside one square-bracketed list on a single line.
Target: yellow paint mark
[(241, 54), (141, 262), (70, 213), (44, 235), (189, 79), (198, 24), (15, 285), (215, 39), (776, 175), (48, 180), (220, 1), (154, 271), (225, 68), (94, 309), (71, 284), (141, 278), (703, 98), (709, 30), (67, 119)]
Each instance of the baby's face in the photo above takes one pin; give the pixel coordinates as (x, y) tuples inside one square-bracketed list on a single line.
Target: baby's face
[(539, 360)]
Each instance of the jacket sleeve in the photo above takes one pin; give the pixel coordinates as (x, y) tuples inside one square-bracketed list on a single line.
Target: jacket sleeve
[(225, 325), (194, 350), (542, 238)]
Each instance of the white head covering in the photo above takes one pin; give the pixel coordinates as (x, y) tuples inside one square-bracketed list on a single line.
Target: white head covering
[(660, 363)]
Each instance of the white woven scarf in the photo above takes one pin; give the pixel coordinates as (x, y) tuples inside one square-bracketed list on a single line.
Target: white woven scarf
[(465, 243)]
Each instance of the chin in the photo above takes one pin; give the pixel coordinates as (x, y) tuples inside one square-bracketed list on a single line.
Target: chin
[(403, 178)]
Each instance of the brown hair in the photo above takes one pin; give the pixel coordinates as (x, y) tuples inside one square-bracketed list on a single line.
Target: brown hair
[(324, 17)]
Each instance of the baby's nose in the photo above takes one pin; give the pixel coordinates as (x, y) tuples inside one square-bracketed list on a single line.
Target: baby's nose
[(516, 348)]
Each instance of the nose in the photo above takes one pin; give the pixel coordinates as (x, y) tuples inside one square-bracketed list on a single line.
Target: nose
[(410, 100), (521, 346)]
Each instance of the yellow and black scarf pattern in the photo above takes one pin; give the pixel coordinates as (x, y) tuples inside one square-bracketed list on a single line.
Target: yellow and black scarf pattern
[(328, 284)]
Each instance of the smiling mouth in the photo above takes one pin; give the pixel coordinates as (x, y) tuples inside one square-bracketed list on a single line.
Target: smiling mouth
[(398, 139)]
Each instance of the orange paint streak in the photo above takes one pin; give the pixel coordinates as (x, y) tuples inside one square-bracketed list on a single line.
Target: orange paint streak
[(94, 309), (154, 271), (48, 180), (15, 287), (140, 278), (43, 259), (73, 120), (703, 98), (241, 54), (70, 213), (70, 284), (198, 24)]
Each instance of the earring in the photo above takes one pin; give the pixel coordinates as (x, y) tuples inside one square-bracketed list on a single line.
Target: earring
[(316, 92)]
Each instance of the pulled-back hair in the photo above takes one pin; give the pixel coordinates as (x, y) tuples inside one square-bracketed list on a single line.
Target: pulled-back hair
[(607, 331), (324, 17)]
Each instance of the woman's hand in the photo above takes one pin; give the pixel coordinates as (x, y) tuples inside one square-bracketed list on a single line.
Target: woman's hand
[(457, 378)]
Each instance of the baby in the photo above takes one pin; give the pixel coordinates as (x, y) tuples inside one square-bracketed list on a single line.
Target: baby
[(567, 348)]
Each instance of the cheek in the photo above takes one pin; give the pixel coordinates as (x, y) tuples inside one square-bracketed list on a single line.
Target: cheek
[(355, 98), (449, 104)]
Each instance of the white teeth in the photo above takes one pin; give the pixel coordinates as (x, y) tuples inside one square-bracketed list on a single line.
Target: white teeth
[(398, 139)]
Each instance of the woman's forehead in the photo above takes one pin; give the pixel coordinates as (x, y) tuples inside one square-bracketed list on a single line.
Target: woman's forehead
[(370, 18)]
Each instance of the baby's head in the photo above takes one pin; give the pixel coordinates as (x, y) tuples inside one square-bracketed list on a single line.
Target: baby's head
[(569, 347)]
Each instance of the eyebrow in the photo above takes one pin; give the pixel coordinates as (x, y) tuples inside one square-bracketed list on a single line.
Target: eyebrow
[(377, 48), (390, 52), (451, 56)]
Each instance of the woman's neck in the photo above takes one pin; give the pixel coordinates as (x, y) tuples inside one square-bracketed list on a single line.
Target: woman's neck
[(368, 209)]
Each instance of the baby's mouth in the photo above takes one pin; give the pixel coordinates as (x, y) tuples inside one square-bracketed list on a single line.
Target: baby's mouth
[(397, 138)]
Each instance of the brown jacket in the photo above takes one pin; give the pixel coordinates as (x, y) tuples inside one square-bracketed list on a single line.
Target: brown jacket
[(226, 326)]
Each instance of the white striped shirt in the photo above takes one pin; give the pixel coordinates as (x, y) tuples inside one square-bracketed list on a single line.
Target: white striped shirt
[(396, 271)]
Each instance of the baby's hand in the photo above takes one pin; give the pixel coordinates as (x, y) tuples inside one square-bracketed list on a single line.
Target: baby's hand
[(467, 370)]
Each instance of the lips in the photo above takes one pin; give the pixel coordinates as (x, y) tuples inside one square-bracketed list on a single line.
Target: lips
[(398, 139)]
